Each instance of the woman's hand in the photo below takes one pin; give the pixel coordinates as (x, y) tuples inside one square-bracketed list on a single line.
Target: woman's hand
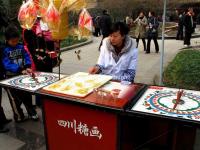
[(94, 70)]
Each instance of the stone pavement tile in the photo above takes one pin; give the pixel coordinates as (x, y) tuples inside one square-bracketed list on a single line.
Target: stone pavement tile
[(6, 105), (31, 139), (42, 148), (31, 133), (89, 55), (10, 143), (148, 64), (33, 126)]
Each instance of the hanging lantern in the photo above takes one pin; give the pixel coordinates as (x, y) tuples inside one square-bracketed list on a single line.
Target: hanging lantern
[(85, 23), (27, 14), (52, 17)]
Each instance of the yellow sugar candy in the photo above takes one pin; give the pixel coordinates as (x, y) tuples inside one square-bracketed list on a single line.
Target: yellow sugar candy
[(78, 84), (82, 91), (67, 88), (55, 86)]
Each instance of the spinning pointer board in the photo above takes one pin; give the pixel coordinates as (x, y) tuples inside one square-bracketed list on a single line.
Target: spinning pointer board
[(168, 102), (27, 82)]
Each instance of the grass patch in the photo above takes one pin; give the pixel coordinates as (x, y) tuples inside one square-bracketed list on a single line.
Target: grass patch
[(184, 70), (71, 40)]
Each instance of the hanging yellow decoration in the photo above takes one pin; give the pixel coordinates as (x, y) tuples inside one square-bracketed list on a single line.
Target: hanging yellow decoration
[(60, 28), (54, 13)]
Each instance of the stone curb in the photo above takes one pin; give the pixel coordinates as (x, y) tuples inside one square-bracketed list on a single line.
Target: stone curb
[(173, 37), (76, 45), (91, 40)]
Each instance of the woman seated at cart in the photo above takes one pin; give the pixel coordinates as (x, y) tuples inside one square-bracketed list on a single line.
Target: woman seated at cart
[(118, 55)]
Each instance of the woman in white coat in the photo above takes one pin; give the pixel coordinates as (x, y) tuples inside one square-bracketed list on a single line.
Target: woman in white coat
[(118, 55)]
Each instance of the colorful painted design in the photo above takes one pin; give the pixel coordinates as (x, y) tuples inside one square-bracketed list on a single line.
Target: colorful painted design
[(158, 100), (28, 83)]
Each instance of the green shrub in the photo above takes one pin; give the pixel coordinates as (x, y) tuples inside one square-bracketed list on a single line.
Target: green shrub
[(184, 71), (71, 40)]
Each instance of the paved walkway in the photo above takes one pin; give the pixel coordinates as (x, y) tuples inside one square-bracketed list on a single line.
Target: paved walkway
[(148, 64), (29, 135)]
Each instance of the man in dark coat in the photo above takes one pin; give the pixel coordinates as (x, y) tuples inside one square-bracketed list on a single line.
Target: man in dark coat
[(105, 23), (179, 35), (189, 26), (152, 33), (96, 26)]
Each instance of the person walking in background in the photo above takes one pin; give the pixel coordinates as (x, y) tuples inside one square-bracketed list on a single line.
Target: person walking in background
[(105, 23), (179, 35), (129, 21), (189, 26), (140, 32), (152, 33), (97, 30)]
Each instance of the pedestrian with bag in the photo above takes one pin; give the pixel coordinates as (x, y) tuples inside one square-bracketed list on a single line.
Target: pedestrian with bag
[(140, 32), (189, 26), (152, 33)]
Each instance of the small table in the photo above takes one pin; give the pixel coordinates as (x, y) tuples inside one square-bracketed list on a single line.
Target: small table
[(179, 123), (85, 123)]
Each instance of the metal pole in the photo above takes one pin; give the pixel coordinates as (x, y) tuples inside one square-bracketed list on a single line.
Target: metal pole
[(163, 44)]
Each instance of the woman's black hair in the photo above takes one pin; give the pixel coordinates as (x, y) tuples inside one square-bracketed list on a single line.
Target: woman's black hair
[(121, 27), (141, 12), (153, 13), (104, 12), (11, 32)]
